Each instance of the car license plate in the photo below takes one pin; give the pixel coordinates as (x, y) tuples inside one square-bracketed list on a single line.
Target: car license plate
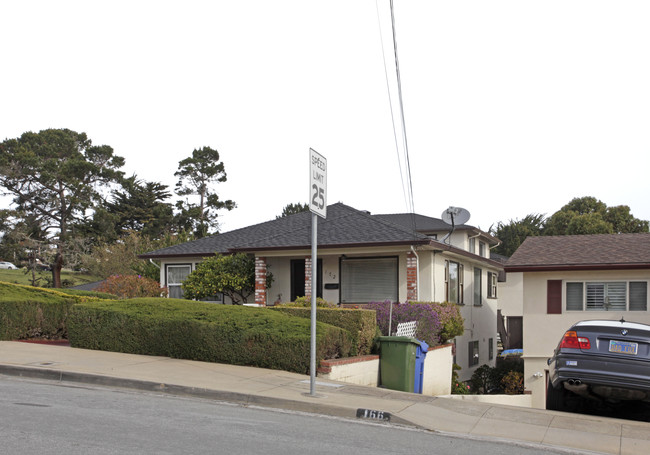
[(623, 347)]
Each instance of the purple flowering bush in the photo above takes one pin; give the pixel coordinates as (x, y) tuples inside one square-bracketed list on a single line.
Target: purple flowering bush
[(436, 322), (452, 322)]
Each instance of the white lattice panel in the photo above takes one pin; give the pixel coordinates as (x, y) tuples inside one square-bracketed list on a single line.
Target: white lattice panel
[(406, 329)]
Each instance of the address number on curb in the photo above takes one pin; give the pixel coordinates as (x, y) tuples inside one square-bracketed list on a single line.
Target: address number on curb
[(374, 415)]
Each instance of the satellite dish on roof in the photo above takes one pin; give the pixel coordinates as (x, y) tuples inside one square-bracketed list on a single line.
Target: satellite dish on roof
[(455, 215)]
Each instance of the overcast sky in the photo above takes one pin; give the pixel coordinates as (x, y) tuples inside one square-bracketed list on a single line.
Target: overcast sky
[(511, 107)]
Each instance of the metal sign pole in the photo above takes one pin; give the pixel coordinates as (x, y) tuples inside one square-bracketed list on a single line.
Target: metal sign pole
[(318, 207), (314, 274)]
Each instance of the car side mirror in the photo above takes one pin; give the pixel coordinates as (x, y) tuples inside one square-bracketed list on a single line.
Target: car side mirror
[(548, 361)]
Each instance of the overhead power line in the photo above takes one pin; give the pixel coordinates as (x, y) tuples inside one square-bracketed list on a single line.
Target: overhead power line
[(405, 174)]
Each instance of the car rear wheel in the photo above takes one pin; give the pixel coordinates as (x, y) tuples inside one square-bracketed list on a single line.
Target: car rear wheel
[(555, 397)]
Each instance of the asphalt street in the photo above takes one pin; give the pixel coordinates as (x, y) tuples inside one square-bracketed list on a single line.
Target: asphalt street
[(41, 417)]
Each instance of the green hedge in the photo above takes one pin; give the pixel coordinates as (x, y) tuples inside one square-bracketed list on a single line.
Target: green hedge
[(361, 324), (99, 295), (184, 329), (30, 312)]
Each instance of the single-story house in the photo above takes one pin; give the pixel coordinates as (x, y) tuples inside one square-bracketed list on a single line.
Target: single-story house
[(559, 280), (364, 258)]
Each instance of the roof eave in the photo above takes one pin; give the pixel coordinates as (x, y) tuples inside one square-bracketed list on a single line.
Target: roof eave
[(176, 255), (332, 246), (439, 246), (575, 267)]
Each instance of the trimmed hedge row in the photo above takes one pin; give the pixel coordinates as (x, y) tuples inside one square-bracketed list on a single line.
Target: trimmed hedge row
[(201, 331), (361, 324), (99, 295), (29, 312)]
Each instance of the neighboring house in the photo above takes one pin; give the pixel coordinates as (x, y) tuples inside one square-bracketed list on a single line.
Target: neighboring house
[(364, 258), (559, 280)]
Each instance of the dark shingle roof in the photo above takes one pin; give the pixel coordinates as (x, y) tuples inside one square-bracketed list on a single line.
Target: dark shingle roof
[(344, 226), (602, 251), (426, 224), (422, 223)]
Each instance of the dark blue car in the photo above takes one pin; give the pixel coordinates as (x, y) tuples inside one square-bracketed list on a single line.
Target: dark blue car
[(602, 361)]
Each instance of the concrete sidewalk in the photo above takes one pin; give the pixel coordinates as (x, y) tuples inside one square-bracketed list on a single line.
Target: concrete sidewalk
[(281, 389)]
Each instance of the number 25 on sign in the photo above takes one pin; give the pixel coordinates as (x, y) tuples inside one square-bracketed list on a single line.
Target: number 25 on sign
[(317, 183)]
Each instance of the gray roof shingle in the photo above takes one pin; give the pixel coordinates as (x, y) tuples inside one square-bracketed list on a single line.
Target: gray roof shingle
[(344, 226), (601, 251), (422, 223)]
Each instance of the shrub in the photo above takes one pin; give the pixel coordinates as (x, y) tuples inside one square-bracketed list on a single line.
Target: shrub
[(306, 302), (488, 379), (79, 292), (437, 322), (132, 286), (452, 322), (360, 324), (182, 329), (28, 312), (513, 383), (458, 387), (233, 275), (482, 381)]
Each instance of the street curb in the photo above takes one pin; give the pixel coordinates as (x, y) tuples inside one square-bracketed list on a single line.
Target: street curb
[(178, 390)]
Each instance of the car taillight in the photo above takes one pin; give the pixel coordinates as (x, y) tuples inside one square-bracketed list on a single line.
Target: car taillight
[(573, 341)]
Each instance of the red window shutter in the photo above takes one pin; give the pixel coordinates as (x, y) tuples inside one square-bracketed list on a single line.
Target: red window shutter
[(554, 297)]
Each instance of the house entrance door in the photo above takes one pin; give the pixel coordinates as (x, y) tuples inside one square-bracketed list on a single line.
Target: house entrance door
[(515, 332), (298, 279)]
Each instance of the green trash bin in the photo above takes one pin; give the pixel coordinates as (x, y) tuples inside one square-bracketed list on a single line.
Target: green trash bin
[(397, 359)]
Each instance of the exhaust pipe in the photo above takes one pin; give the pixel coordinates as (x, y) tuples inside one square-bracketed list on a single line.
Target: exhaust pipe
[(576, 386)]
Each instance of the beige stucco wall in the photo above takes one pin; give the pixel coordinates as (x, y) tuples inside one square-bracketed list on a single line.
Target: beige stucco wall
[(523, 401), (543, 331), (510, 292), (480, 321), (364, 370), (437, 369)]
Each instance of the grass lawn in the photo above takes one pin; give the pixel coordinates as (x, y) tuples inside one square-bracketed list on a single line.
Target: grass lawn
[(21, 276)]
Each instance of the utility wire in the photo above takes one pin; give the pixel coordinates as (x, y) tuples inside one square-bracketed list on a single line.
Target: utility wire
[(390, 103), (401, 108), (407, 187)]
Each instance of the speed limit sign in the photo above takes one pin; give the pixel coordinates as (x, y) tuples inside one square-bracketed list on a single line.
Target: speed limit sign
[(317, 183)]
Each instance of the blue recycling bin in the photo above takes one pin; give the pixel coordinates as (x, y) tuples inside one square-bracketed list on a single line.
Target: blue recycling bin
[(420, 354)]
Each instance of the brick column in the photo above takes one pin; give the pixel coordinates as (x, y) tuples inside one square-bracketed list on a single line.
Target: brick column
[(411, 276), (260, 281), (308, 277)]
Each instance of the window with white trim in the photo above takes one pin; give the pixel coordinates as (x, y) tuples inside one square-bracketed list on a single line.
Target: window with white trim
[(369, 280), (454, 282), (472, 245), (492, 285), (607, 296), (478, 286), (176, 274)]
